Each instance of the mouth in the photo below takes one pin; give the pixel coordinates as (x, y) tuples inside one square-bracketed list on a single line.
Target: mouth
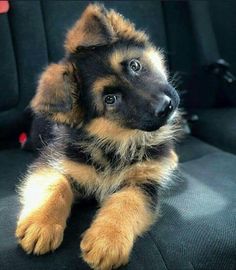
[(149, 127), (155, 125)]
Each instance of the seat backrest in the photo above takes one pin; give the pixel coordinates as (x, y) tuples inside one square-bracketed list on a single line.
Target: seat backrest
[(224, 25), (202, 89)]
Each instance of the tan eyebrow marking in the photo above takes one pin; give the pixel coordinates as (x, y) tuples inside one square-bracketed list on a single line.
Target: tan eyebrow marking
[(118, 56), (156, 60), (98, 87), (102, 82)]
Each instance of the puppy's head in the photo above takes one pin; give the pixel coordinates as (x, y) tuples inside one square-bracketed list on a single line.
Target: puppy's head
[(112, 78)]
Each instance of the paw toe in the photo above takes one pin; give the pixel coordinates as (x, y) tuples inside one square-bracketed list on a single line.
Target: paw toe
[(38, 238)]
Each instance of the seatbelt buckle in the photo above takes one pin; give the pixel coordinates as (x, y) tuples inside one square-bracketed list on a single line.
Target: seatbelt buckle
[(221, 68)]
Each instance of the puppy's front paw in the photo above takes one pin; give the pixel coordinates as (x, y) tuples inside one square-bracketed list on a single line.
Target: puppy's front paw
[(38, 237), (106, 247)]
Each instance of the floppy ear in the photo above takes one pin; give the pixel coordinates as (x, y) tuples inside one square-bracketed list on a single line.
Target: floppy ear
[(91, 29), (57, 94)]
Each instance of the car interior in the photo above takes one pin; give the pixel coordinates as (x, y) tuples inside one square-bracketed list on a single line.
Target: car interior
[(196, 228)]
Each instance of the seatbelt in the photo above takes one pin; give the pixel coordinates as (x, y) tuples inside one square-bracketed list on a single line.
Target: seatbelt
[(206, 41)]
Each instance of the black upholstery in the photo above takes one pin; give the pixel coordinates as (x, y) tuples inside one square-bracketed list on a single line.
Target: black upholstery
[(196, 229), (222, 33)]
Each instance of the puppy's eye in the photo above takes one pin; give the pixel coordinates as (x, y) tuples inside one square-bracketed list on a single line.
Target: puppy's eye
[(135, 65), (110, 99)]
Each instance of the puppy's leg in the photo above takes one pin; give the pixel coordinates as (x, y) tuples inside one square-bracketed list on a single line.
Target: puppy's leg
[(123, 216), (46, 196)]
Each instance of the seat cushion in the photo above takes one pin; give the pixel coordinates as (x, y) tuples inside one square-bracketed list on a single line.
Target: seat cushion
[(198, 222), (217, 127), (196, 229), (191, 148)]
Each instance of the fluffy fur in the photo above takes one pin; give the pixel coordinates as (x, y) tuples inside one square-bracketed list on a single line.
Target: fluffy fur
[(121, 153)]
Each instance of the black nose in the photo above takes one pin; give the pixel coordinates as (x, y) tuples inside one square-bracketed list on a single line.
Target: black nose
[(164, 107)]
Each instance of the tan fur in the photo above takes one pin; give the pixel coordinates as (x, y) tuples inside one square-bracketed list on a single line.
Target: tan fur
[(57, 87), (100, 184), (97, 156), (114, 23), (149, 57), (105, 182), (124, 141), (105, 128), (50, 87), (174, 159), (123, 28), (154, 170), (118, 56), (101, 83), (72, 118), (110, 238), (46, 197), (98, 87), (84, 174), (156, 60), (46, 186), (41, 222), (79, 35)]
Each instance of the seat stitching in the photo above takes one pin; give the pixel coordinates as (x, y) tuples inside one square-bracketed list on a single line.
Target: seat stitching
[(15, 57), (158, 248), (44, 27)]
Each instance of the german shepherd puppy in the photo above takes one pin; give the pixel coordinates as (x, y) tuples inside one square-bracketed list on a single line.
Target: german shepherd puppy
[(115, 118)]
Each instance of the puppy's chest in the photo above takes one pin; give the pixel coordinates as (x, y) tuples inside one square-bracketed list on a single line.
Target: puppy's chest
[(98, 170), (103, 160), (102, 171)]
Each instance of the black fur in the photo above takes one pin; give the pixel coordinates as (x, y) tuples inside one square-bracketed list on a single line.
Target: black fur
[(151, 190), (160, 151), (135, 111), (72, 139)]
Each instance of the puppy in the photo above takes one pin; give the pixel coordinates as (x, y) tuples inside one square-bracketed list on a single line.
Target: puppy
[(115, 120)]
